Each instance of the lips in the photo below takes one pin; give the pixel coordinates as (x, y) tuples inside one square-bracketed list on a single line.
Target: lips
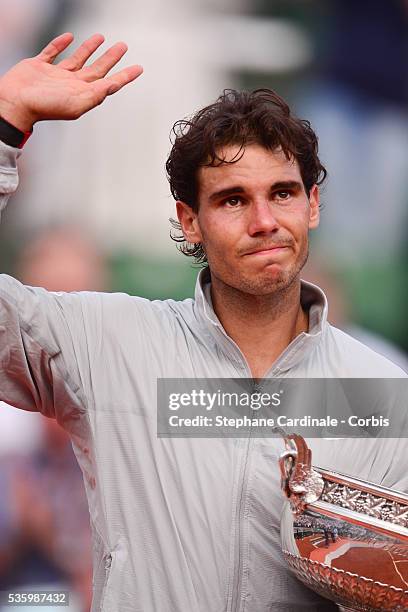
[(268, 249)]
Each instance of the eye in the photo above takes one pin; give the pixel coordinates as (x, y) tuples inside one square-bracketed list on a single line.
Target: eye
[(233, 202), (283, 195)]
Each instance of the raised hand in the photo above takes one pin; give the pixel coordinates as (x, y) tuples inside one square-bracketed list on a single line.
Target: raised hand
[(35, 89)]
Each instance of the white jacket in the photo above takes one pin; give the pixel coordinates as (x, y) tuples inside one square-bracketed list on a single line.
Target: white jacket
[(179, 525)]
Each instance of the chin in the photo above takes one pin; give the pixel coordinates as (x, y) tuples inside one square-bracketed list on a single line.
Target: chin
[(273, 278), (265, 284)]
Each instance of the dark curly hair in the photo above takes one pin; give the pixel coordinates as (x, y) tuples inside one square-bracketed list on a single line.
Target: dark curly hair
[(236, 118)]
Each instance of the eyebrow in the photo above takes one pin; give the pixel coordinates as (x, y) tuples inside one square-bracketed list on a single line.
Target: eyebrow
[(279, 185), (226, 192)]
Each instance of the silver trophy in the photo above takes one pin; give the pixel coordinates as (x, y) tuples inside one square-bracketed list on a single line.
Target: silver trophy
[(344, 538)]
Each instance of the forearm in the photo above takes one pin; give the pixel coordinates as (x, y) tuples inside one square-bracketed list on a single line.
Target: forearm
[(8, 173)]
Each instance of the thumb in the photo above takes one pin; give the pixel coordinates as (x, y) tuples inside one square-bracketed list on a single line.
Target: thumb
[(122, 78), (113, 88), (108, 86)]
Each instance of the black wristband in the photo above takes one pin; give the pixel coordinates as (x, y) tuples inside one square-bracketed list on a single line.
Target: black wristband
[(12, 136)]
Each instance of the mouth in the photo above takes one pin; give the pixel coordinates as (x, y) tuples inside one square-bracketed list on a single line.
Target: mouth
[(274, 250)]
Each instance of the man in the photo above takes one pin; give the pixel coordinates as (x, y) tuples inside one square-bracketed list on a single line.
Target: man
[(183, 524)]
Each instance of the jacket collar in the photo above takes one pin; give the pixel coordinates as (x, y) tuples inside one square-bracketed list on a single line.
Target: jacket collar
[(312, 297)]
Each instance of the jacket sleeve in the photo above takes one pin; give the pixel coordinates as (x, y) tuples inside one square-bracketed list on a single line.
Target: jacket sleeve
[(38, 356), (39, 368), (8, 173)]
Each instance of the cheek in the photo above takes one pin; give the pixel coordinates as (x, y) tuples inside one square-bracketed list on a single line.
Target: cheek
[(298, 226), (218, 234)]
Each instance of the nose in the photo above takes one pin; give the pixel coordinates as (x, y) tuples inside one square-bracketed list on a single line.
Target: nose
[(262, 219)]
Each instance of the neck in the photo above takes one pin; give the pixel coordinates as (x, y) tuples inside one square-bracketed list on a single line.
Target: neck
[(261, 325)]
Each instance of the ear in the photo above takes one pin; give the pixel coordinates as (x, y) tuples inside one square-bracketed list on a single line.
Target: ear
[(314, 210), (189, 222)]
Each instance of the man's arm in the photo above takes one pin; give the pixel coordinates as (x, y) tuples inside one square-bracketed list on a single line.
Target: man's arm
[(43, 361)]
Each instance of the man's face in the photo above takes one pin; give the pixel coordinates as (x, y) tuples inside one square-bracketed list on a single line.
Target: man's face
[(253, 220)]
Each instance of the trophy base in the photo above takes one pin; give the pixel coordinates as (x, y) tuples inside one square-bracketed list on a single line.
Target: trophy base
[(351, 593)]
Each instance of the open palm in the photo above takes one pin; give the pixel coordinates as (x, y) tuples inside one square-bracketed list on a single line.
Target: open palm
[(35, 89)]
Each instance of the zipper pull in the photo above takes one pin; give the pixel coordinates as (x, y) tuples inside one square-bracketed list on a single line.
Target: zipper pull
[(256, 388), (108, 561)]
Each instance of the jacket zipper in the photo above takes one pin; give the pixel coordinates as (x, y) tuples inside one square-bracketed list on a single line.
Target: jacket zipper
[(240, 514), (238, 568), (273, 371), (107, 563)]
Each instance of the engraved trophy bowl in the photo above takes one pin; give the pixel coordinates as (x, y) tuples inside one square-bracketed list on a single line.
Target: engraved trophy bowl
[(344, 538)]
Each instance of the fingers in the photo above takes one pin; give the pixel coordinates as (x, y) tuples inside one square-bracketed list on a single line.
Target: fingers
[(99, 68), (106, 62), (122, 78), (83, 53), (97, 91), (110, 85), (55, 47)]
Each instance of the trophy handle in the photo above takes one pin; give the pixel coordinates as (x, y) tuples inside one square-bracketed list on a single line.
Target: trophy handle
[(301, 484)]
